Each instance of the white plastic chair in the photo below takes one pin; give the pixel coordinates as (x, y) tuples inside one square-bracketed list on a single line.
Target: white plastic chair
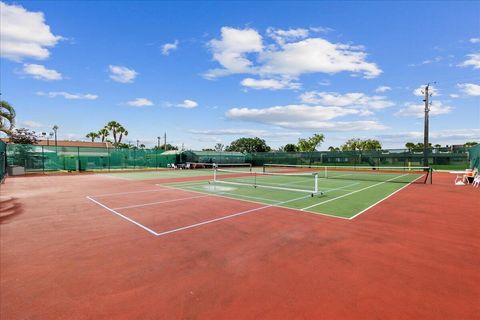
[(476, 181)]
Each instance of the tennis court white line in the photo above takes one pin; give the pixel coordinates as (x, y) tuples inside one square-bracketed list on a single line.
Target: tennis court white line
[(111, 176), (359, 213), (158, 202), (237, 195), (350, 193), (252, 201), (227, 217), (124, 217), (340, 188), (265, 199), (130, 192)]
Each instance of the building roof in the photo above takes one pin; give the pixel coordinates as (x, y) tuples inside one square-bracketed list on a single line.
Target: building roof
[(69, 143)]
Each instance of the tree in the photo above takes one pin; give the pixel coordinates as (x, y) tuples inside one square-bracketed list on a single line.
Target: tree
[(117, 130), (410, 145), (290, 147), (92, 135), (208, 149), (219, 147), (142, 146), (23, 136), (351, 145), (170, 147), (103, 133), (470, 144), (248, 145), (355, 144), (122, 132), (310, 144), (7, 117), (419, 146), (370, 145)]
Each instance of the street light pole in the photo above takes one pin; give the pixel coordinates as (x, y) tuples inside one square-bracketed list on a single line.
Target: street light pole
[(158, 142), (55, 128)]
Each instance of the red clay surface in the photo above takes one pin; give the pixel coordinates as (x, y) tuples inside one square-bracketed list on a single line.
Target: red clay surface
[(414, 256)]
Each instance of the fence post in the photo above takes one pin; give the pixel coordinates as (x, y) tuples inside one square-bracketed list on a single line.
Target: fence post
[(43, 161), (78, 159)]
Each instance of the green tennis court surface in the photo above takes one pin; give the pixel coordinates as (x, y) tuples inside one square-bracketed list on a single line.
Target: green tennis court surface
[(161, 174), (343, 195)]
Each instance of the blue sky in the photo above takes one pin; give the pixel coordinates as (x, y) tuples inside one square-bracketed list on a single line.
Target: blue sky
[(209, 72)]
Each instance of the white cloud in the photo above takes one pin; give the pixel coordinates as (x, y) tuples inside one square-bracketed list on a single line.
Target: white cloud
[(140, 102), (24, 34), (234, 52), (68, 96), (167, 47), (270, 84), (442, 136), (283, 36), (303, 117), (352, 100), (317, 55), (245, 132), (38, 71), (188, 104), (417, 110), (321, 29), (454, 95), (231, 50), (324, 82), (474, 61), (474, 40), (383, 89), (31, 124), (419, 92), (122, 74), (469, 88)]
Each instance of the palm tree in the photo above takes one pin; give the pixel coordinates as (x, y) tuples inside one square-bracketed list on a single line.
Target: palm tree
[(103, 133), (7, 117), (113, 126), (92, 135), (122, 132)]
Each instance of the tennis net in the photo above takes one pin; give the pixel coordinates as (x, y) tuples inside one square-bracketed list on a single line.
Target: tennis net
[(296, 182), (362, 173), (210, 165)]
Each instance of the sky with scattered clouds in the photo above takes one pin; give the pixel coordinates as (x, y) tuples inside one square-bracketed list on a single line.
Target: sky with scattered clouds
[(211, 72)]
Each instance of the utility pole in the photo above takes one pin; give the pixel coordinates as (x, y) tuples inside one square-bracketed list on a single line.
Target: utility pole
[(426, 124), (165, 141), (158, 142)]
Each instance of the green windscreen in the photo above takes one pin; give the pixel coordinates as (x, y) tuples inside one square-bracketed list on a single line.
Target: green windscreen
[(3, 160), (474, 155)]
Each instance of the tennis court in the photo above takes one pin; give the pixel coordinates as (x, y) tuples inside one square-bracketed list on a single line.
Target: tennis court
[(308, 238), (196, 198)]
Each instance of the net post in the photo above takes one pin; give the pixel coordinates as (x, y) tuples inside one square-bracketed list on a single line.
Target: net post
[(316, 182)]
